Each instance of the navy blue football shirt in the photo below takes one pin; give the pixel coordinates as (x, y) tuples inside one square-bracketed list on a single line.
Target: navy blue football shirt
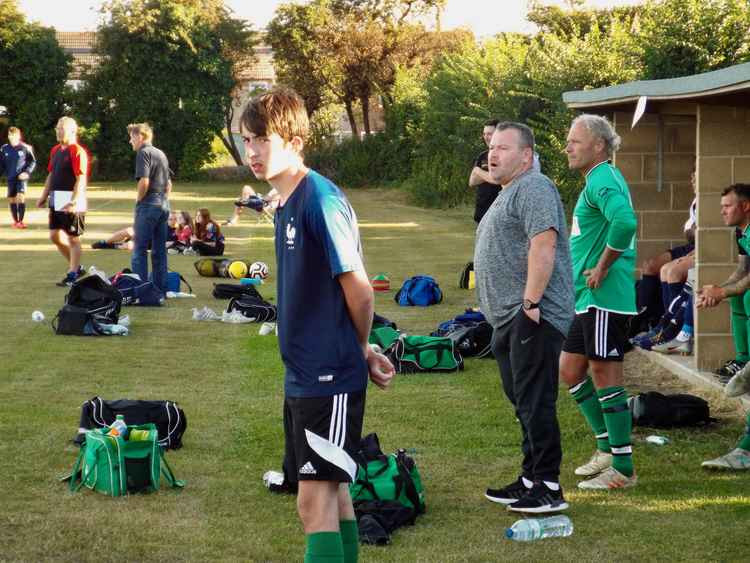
[(317, 239)]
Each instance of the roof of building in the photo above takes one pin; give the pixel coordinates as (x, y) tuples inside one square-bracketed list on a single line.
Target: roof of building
[(727, 81)]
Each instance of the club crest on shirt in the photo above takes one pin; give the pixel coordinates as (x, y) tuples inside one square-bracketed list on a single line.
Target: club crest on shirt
[(290, 234)]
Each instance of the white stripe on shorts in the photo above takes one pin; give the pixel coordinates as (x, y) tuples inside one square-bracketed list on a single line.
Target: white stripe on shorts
[(337, 428)]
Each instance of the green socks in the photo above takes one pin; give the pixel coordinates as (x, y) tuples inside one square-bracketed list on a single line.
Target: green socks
[(614, 404), (324, 547), (745, 441), (350, 540), (585, 395), (739, 327)]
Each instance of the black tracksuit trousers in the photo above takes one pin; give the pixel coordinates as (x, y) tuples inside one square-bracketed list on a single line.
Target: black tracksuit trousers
[(528, 355)]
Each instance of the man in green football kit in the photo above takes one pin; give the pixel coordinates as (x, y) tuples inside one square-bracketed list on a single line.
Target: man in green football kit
[(602, 243), (735, 212)]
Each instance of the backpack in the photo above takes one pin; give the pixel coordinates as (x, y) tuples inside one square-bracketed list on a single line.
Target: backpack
[(174, 280), (416, 354), (115, 466), (168, 418), (468, 318), (421, 291), (255, 308), (136, 291), (668, 411), (473, 341), (229, 290), (102, 301), (466, 280)]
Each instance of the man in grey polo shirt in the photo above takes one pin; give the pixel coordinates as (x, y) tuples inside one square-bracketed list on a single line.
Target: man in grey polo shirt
[(525, 286), (152, 206)]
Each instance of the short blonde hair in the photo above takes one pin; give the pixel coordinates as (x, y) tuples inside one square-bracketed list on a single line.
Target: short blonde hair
[(68, 123), (14, 131), (143, 129)]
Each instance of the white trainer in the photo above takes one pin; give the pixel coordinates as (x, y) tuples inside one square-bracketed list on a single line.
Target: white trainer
[(610, 478), (739, 384), (598, 463), (736, 459)]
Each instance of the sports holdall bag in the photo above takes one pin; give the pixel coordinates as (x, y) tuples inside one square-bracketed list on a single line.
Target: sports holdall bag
[(256, 309), (393, 477), (466, 280), (420, 291), (136, 291), (229, 290), (473, 341), (102, 301), (168, 417), (669, 411), (416, 354), (115, 466)]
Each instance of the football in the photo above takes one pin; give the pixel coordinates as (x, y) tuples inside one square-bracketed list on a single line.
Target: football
[(258, 270), (237, 269)]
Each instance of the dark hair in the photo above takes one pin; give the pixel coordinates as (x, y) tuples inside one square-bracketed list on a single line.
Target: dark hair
[(525, 134), (742, 191), (281, 111), (491, 123)]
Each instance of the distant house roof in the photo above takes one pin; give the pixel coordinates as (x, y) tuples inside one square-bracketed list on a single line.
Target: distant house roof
[(732, 81), (80, 44)]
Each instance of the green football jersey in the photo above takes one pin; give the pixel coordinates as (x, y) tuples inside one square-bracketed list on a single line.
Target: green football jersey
[(603, 217)]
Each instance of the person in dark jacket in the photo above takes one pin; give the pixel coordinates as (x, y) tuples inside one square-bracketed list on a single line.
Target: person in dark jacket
[(17, 162)]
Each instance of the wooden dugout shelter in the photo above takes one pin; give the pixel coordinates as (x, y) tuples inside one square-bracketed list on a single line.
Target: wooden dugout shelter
[(702, 119)]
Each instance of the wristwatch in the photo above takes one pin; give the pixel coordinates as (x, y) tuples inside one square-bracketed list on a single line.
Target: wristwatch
[(528, 305)]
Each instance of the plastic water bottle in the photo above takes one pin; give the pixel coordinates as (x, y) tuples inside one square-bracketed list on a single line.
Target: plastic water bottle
[(531, 529), (118, 427)]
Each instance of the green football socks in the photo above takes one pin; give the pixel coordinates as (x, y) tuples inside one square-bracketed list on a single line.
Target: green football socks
[(350, 540), (739, 326), (324, 547), (585, 395), (617, 417)]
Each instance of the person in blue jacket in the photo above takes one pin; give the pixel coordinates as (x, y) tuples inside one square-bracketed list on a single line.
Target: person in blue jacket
[(17, 162)]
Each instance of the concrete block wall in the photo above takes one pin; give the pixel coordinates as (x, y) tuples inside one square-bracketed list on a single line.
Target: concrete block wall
[(723, 156), (661, 213)]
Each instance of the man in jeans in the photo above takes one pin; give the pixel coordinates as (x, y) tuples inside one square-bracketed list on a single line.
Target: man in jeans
[(525, 286), (152, 206)]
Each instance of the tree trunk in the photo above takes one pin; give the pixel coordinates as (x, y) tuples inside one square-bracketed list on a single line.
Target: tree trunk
[(228, 140), (352, 121), (365, 101)]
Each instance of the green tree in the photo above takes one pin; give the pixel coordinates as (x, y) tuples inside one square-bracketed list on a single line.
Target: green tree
[(171, 63), (33, 70), (684, 37)]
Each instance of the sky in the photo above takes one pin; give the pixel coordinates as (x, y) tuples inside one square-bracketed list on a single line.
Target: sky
[(506, 15)]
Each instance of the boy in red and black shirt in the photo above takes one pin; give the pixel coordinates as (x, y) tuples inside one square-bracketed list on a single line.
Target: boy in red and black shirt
[(65, 188)]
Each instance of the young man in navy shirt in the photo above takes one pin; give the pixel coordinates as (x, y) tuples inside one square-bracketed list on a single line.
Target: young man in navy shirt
[(325, 308), (17, 162)]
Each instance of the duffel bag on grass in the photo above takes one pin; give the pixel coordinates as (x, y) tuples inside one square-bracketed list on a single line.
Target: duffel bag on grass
[(415, 354), (113, 466), (169, 418), (256, 309), (229, 290), (420, 291)]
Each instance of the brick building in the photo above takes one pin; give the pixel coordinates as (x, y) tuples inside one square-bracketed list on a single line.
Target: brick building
[(704, 119)]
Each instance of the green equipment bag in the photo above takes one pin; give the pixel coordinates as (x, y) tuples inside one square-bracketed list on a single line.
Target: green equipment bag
[(383, 336), (393, 477), (416, 354), (113, 466)]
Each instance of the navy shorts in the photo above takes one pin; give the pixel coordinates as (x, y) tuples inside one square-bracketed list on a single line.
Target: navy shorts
[(599, 335), (322, 436), (680, 251), (15, 187), (73, 224)]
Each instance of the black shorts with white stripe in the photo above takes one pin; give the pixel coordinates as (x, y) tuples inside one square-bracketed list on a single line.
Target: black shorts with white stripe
[(599, 335), (322, 435)]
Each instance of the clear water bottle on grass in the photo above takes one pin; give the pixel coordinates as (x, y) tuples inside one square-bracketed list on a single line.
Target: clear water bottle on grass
[(530, 529)]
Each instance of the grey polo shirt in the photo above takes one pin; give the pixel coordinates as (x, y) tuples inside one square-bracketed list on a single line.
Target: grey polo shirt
[(152, 163), (526, 207)]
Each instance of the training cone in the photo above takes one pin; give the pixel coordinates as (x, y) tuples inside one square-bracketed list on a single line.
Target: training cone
[(381, 283)]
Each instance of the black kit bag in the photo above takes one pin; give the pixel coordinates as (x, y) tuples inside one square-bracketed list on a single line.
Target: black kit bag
[(257, 309), (657, 410), (168, 417), (75, 321), (229, 290), (98, 297), (473, 341)]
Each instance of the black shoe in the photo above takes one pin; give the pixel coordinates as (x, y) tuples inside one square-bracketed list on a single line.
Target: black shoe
[(540, 499), (68, 280), (509, 494), (729, 369)]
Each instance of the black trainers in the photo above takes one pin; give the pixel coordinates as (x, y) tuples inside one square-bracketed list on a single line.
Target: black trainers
[(728, 370), (68, 280), (540, 499), (509, 494)]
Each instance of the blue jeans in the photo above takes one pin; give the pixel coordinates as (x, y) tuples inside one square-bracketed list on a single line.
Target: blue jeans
[(150, 228)]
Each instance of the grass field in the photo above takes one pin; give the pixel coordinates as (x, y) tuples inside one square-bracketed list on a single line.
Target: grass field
[(228, 379)]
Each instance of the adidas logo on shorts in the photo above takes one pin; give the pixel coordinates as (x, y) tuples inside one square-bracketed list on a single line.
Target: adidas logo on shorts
[(307, 469), (613, 352)]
